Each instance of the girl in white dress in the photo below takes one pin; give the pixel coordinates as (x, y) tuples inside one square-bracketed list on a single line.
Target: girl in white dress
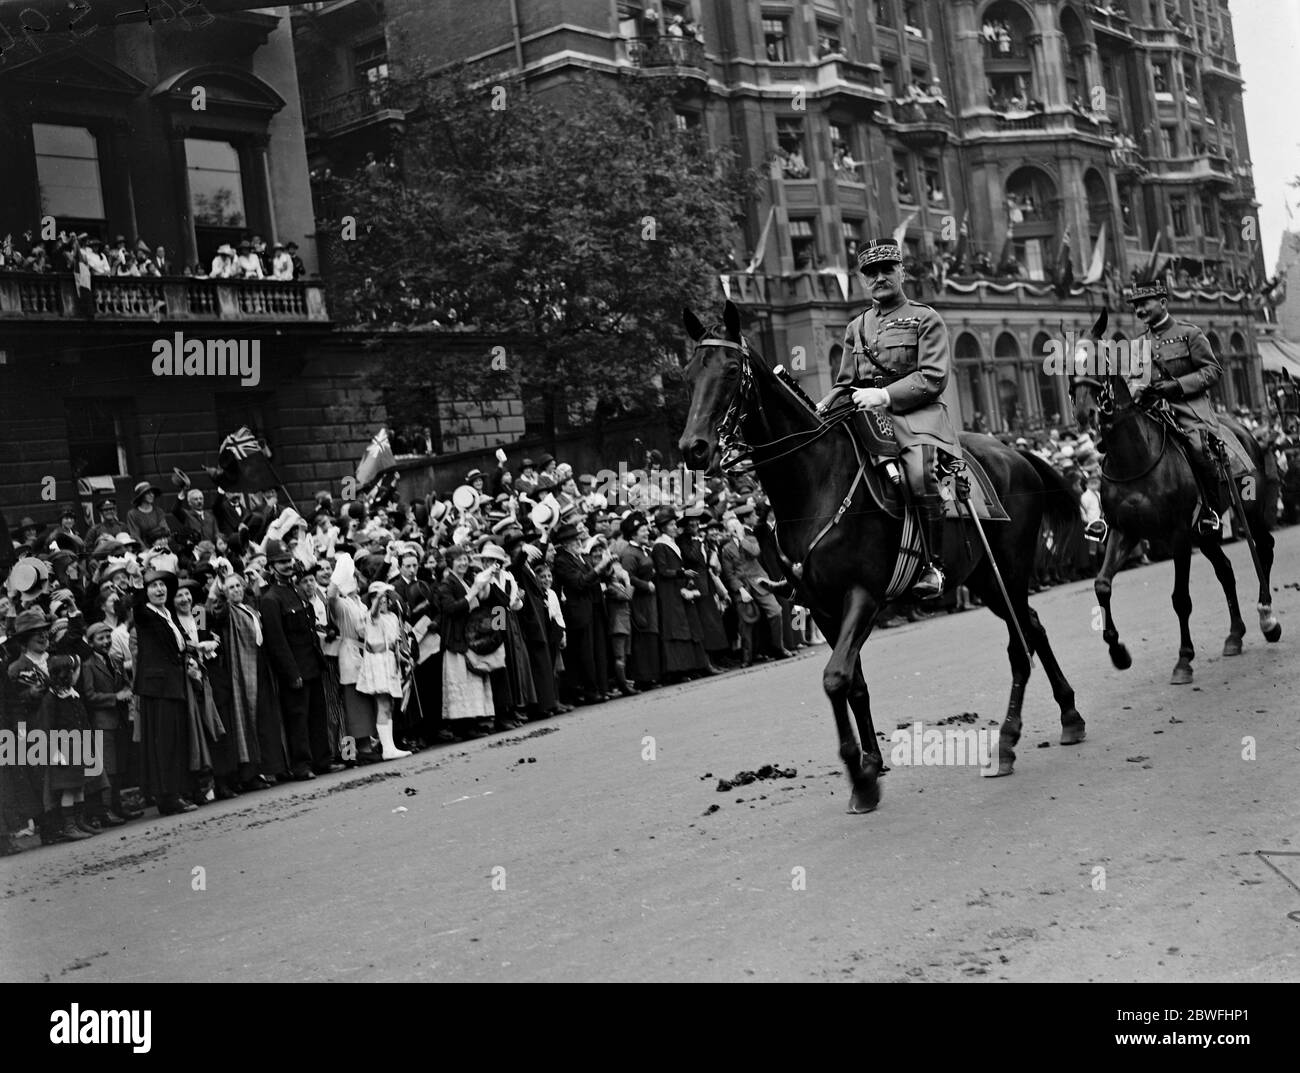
[(381, 663)]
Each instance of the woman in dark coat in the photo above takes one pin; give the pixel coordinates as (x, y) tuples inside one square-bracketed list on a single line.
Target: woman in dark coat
[(160, 672), (578, 583), (533, 621), (683, 655), (513, 689), (27, 679), (233, 678), (643, 663), (703, 612)]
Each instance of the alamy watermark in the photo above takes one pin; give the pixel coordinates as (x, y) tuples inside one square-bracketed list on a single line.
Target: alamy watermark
[(950, 746), (52, 748), (179, 356), (1073, 356)]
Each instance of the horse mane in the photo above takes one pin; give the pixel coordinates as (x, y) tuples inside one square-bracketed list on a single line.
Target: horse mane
[(783, 377)]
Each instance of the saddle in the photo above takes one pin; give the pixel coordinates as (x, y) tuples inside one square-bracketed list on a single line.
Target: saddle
[(884, 477)]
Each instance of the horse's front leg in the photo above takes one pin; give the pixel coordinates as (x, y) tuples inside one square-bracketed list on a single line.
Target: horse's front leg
[(860, 703), (837, 680), (1182, 601), (1118, 546), (1213, 552)]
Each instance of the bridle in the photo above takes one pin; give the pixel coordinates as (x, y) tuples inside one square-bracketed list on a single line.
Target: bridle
[(737, 452), (1106, 406)]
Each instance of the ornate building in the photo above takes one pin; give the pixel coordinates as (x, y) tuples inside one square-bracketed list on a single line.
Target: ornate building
[(990, 133)]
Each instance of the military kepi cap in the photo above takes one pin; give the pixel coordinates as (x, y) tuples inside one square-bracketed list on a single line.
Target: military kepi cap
[(879, 251), (1154, 288)]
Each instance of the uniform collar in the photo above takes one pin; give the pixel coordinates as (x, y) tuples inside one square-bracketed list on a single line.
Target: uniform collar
[(881, 311), (1164, 325)]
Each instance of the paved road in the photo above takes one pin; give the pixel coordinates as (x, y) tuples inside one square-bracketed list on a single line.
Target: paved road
[(611, 868)]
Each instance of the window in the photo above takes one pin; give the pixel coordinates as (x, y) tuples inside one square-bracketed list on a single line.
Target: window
[(903, 177), (1160, 75), (1169, 144), (686, 122), (67, 171), (776, 38), (370, 62), (884, 13), (1209, 215), (912, 17), (846, 164), (1126, 210), (216, 195), (889, 78), (216, 187), (1178, 211), (790, 143), (98, 431), (803, 244), (1029, 252), (934, 191), (851, 230), (828, 39)]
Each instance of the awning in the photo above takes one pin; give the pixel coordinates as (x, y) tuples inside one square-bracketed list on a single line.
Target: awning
[(1278, 354)]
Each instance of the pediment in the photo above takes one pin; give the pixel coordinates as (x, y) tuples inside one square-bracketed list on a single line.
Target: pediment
[(225, 87), (78, 71)]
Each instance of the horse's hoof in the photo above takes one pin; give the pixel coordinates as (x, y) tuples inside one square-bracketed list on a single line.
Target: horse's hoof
[(1006, 766), (1182, 675), (866, 798), (1232, 646), (1073, 733), (1273, 633), (1119, 655)]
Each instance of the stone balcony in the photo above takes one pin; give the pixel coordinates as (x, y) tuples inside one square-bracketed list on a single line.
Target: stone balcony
[(919, 124), (51, 297), (666, 51), (346, 112)]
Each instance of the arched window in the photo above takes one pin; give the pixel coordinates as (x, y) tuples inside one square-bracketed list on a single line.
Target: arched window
[(1008, 69), (1049, 390), (1237, 342), (1098, 194), (1032, 210), (1006, 352), (1074, 45), (970, 383)]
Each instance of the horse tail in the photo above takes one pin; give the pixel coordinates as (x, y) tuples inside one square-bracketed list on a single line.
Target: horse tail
[(1061, 513)]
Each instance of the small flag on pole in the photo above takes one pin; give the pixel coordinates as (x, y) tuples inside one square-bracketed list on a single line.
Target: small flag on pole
[(377, 459)]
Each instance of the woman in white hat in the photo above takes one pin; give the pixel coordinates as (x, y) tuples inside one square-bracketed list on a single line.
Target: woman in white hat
[(349, 615), (381, 663)]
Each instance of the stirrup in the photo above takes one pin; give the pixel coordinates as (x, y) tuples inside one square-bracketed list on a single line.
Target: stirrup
[(1209, 521), (1097, 530), (927, 590)]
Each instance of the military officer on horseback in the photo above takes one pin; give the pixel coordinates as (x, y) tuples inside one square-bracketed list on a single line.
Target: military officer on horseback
[(1183, 369), (896, 358)]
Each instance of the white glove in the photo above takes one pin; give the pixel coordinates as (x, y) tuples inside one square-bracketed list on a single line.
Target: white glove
[(871, 398)]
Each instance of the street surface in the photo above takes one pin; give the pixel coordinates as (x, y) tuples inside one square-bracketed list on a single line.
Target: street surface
[(613, 871)]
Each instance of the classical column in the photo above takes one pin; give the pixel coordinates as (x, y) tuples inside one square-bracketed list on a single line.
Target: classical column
[(257, 146), (176, 135)]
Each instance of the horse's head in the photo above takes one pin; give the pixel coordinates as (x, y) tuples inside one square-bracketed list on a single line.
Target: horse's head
[(1086, 396), (720, 375)]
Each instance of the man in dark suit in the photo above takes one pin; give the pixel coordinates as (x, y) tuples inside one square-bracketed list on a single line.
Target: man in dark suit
[(293, 651), (192, 518), (579, 586)]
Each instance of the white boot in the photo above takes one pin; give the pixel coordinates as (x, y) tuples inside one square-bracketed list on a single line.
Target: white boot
[(390, 750)]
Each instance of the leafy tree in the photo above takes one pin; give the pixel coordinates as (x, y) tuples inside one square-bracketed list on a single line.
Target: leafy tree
[(577, 221)]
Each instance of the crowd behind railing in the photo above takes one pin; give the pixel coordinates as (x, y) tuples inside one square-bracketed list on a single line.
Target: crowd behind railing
[(87, 255)]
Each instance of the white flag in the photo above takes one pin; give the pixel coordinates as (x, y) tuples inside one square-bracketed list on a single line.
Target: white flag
[(1098, 265)]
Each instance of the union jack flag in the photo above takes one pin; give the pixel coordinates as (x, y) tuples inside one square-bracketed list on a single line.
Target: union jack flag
[(241, 443)]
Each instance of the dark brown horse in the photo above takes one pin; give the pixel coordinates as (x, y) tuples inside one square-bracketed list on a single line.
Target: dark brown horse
[(807, 467), (1148, 490)]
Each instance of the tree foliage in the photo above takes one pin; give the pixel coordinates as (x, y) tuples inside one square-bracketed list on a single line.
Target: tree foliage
[(578, 221)]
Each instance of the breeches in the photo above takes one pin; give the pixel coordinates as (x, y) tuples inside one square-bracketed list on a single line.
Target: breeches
[(919, 469)]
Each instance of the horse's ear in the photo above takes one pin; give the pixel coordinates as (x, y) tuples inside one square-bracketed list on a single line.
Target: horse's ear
[(731, 318), (1099, 328), (693, 326)]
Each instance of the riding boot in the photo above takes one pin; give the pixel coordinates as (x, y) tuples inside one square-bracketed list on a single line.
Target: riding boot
[(929, 585), (1208, 480)]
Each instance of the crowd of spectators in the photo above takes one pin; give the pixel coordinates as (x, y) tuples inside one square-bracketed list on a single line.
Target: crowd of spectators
[(223, 646), (88, 255), (219, 644)]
